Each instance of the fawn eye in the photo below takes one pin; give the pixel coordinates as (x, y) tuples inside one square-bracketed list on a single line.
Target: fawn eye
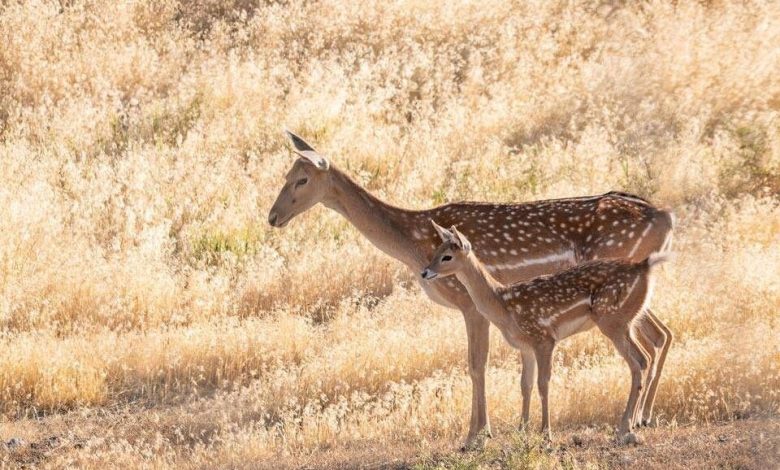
[(301, 182), (446, 258)]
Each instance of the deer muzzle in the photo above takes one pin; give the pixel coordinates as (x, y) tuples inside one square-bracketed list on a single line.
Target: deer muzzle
[(428, 274)]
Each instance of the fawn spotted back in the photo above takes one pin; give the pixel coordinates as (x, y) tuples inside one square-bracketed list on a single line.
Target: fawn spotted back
[(552, 305)]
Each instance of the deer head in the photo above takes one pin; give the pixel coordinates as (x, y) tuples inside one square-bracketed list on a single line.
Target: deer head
[(450, 255), (306, 184)]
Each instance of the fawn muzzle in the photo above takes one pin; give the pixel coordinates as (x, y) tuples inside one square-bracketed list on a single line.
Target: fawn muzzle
[(428, 274)]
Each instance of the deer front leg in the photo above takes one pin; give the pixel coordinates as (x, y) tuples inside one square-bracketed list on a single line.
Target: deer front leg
[(544, 353), (527, 379), (478, 332)]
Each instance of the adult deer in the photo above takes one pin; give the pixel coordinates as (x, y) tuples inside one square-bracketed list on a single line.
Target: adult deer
[(515, 241), (535, 315)]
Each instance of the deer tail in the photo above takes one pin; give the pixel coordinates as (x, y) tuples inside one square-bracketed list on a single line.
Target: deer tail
[(659, 257)]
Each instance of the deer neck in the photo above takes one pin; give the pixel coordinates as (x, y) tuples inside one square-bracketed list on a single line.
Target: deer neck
[(378, 221), (483, 289)]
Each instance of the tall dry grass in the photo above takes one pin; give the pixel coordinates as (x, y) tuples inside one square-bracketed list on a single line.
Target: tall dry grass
[(146, 304)]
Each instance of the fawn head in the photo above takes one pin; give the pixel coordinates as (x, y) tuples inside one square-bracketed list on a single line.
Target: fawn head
[(450, 255), (305, 184)]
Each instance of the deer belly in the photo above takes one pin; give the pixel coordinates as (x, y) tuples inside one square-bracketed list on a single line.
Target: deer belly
[(517, 341), (568, 321), (570, 326)]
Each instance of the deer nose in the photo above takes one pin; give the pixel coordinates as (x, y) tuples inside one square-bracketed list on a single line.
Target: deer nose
[(428, 274), (272, 219)]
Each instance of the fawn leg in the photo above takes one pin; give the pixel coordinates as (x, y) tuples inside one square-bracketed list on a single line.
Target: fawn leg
[(478, 332), (636, 362), (647, 358), (544, 354), (662, 341), (527, 379)]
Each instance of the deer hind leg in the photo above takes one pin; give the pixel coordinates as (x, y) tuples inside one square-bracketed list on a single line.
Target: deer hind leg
[(647, 335), (636, 418), (478, 332), (527, 379), (656, 237), (635, 242), (661, 337), (619, 333)]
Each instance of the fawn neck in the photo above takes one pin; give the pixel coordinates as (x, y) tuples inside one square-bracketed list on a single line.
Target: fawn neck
[(381, 223), (483, 289)]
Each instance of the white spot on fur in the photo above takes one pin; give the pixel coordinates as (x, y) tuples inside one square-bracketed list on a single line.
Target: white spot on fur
[(649, 293), (630, 290), (639, 240), (567, 256)]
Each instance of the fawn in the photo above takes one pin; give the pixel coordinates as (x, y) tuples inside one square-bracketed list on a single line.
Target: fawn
[(533, 316)]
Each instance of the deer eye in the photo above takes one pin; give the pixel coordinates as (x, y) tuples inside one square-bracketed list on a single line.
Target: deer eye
[(446, 258), (301, 182)]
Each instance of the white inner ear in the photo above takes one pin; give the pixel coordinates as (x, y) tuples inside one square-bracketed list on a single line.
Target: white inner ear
[(445, 234), (461, 240), (315, 158)]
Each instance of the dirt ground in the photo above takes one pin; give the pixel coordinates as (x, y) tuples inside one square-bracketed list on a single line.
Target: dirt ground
[(742, 444)]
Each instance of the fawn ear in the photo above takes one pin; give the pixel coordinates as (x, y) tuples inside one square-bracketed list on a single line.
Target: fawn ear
[(446, 235), (461, 240), (307, 152)]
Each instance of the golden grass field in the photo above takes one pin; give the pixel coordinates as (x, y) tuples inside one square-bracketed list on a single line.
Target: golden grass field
[(150, 317)]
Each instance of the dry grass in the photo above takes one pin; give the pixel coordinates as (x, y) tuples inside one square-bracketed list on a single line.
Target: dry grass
[(150, 317)]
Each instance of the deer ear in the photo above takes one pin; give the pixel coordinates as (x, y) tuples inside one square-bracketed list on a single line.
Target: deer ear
[(315, 159), (307, 152), (446, 235), (461, 240), (299, 143)]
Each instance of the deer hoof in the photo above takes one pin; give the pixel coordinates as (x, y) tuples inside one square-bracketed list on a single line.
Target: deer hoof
[(631, 439), (476, 443), (650, 422)]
